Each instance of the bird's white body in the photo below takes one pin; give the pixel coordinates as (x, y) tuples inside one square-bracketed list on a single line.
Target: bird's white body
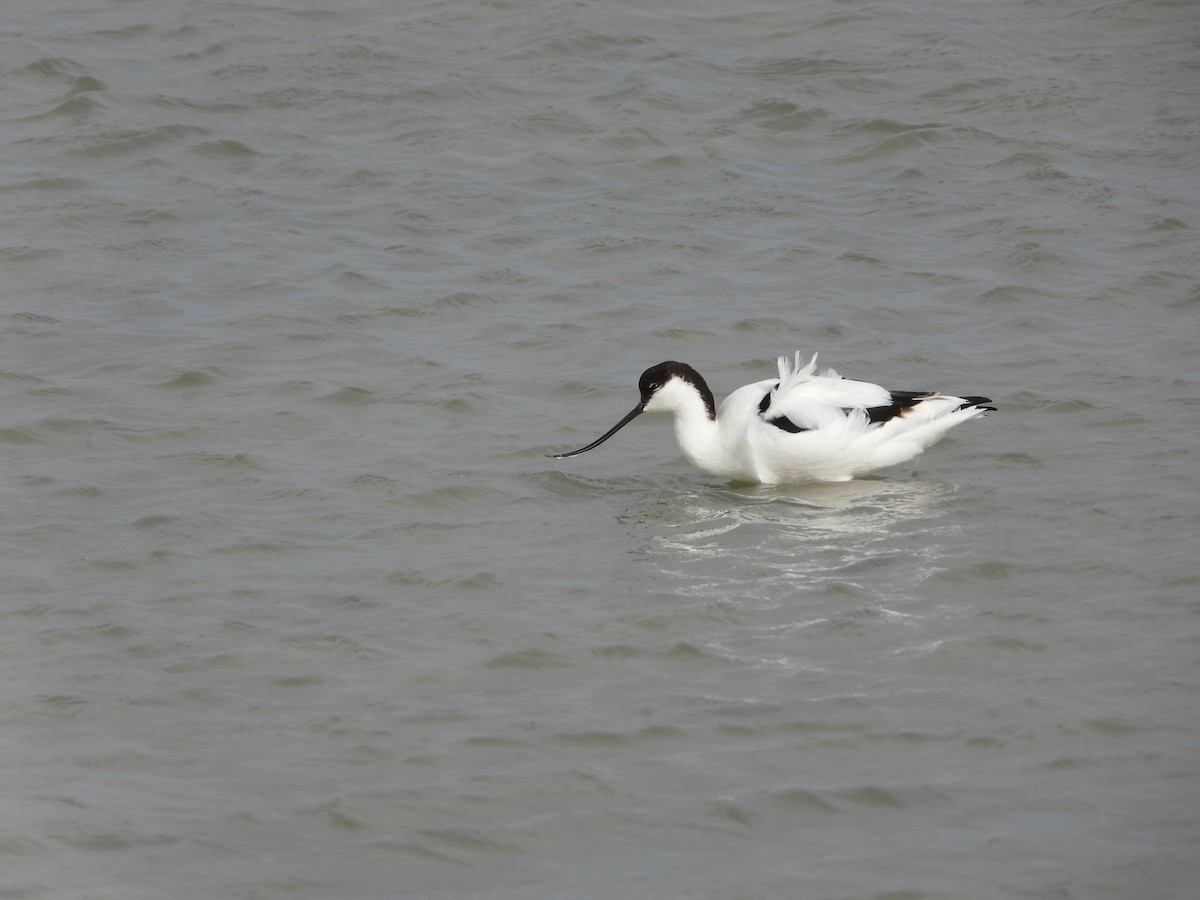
[(800, 427)]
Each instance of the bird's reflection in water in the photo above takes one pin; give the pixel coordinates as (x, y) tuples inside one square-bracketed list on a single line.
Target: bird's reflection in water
[(778, 560)]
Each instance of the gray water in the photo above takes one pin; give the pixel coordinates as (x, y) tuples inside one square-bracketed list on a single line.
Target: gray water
[(297, 295)]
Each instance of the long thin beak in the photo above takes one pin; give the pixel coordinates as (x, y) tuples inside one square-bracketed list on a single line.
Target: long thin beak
[(633, 414)]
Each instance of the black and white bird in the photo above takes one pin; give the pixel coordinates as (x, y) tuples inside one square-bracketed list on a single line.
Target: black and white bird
[(799, 427)]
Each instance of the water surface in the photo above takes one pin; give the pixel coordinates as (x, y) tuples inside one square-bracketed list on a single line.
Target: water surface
[(297, 297)]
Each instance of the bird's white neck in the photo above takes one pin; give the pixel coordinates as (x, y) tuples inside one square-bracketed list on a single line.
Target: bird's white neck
[(695, 419), (699, 438)]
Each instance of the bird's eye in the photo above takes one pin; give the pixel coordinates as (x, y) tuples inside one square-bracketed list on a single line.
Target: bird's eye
[(654, 386)]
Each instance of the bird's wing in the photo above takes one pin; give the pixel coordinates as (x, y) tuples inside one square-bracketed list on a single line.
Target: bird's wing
[(808, 400)]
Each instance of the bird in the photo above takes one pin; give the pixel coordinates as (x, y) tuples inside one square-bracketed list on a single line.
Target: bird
[(799, 427)]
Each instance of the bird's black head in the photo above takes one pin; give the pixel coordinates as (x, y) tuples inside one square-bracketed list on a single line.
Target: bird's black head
[(656, 377)]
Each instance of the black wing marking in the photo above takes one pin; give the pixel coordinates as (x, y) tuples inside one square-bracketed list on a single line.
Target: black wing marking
[(786, 424), (903, 401), (766, 400), (781, 422), (978, 401)]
